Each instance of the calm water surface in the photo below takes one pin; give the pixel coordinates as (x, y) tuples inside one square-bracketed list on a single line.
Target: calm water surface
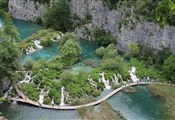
[(141, 105), (24, 28)]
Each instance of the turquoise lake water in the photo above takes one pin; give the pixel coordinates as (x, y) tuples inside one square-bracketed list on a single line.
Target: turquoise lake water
[(141, 105), (24, 28)]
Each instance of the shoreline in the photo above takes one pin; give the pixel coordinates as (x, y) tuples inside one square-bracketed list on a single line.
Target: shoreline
[(166, 94)]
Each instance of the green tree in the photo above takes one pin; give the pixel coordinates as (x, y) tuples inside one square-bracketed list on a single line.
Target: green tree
[(9, 31), (169, 68), (70, 48), (9, 55), (58, 15), (103, 37), (161, 56), (109, 52), (134, 49), (165, 12), (112, 64), (3, 6)]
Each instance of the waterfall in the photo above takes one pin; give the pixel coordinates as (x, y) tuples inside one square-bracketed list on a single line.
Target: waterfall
[(7, 93), (92, 82), (30, 50), (52, 102), (106, 82), (27, 78), (132, 72), (41, 97), (37, 43), (62, 96), (115, 79)]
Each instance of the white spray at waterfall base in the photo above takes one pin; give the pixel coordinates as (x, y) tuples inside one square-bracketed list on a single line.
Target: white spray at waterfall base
[(132, 72), (106, 82), (41, 97), (8, 92), (62, 96)]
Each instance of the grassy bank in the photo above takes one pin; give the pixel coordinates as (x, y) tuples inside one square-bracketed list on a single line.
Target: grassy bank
[(102, 112), (167, 94)]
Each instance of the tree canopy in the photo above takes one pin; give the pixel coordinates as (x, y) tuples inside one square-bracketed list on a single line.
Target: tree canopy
[(57, 15), (9, 31), (70, 47), (169, 68)]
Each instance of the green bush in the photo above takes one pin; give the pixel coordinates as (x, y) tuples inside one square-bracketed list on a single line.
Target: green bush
[(37, 66), (46, 41), (109, 52), (103, 37), (47, 100), (29, 63)]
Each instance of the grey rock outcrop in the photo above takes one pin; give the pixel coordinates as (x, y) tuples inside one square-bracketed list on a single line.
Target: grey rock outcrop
[(144, 33), (25, 9), (3, 118), (5, 84)]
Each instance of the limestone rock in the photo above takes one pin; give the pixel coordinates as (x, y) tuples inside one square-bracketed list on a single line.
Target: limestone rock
[(25, 9)]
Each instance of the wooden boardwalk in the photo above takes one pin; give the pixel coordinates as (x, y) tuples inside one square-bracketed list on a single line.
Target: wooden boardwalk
[(24, 99)]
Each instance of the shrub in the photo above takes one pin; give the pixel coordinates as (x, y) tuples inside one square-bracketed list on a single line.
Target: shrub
[(103, 37), (47, 100), (46, 41), (29, 63)]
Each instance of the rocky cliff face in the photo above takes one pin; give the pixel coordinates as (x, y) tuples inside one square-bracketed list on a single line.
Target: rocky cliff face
[(143, 33), (25, 9)]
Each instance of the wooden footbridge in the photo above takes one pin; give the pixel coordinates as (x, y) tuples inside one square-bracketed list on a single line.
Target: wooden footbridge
[(25, 99)]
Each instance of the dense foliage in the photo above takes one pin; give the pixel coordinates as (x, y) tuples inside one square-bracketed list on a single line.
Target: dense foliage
[(3, 6), (58, 16), (103, 37), (158, 65), (161, 11), (109, 52), (70, 48), (9, 31)]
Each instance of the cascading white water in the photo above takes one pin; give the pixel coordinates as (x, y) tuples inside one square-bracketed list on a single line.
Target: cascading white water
[(27, 78), (91, 81), (132, 72), (41, 97), (106, 82), (62, 96), (37, 43), (115, 79), (30, 50), (52, 102), (7, 93)]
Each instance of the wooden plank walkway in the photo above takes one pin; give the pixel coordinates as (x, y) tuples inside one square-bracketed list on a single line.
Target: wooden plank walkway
[(24, 99)]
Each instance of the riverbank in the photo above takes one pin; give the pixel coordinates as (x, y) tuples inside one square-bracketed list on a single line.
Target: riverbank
[(104, 111), (167, 94)]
